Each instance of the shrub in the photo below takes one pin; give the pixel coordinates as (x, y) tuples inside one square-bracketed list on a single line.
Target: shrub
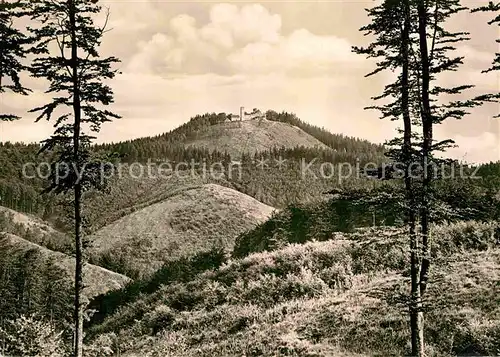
[(158, 319), (180, 270), (303, 223), (28, 336), (465, 236), (101, 346)]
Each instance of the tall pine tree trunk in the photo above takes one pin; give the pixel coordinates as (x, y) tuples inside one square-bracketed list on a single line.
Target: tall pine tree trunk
[(426, 150), (2, 5), (78, 313), (416, 327), (78, 275)]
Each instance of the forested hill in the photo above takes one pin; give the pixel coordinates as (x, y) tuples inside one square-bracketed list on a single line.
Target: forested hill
[(275, 187), (16, 190), (172, 144)]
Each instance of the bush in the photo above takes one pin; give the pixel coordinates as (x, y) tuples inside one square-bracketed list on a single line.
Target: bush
[(27, 336), (465, 236), (180, 270), (160, 318)]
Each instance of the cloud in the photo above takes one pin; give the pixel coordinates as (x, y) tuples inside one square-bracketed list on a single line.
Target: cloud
[(230, 25), (300, 53), (129, 17), (482, 147), (25, 130), (475, 57), (477, 148)]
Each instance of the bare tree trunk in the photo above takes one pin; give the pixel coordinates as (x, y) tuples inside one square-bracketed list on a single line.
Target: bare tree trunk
[(426, 153), (416, 320), (78, 276), (78, 312), (2, 4)]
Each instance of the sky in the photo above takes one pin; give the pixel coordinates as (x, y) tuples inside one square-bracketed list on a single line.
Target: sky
[(182, 58)]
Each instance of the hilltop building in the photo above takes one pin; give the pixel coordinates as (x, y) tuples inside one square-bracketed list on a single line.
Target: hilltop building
[(255, 114), (232, 117)]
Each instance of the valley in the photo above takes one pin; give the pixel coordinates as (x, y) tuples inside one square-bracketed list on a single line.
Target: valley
[(266, 263)]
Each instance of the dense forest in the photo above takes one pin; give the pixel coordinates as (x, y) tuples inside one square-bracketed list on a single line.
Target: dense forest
[(275, 186), (23, 193), (170, 145)]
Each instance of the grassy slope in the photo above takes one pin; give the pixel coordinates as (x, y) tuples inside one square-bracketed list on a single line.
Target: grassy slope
[(188, 221), (97, 280), (133, 189), (33, 229), (343, 297), (301, 222), (273, 187), (250, 136)]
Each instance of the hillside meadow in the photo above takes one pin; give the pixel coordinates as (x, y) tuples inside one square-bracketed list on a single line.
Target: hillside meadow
[(343, 297)]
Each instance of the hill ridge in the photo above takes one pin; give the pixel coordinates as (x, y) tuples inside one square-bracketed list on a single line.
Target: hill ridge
[(251, 136), (97, 280), (169, 143), (188, 221)]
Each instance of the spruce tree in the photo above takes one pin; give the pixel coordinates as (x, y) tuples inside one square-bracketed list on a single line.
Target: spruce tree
[(393, 24), (435, 47), (495, 65), (12, 51), (76, 73), (56, 294), (412, 40)]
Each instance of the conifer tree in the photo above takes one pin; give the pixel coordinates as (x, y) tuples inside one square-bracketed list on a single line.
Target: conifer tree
[(76, 73), (392, 24), (495, 65), (12, 51), (434, 60), (56, 294), (404, 30)]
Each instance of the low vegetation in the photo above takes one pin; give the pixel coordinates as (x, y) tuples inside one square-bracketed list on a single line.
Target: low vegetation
[(274, 186), (378, 205), (34, 230), (252, 136), (32, 336), (345, 297), (34, 278)]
